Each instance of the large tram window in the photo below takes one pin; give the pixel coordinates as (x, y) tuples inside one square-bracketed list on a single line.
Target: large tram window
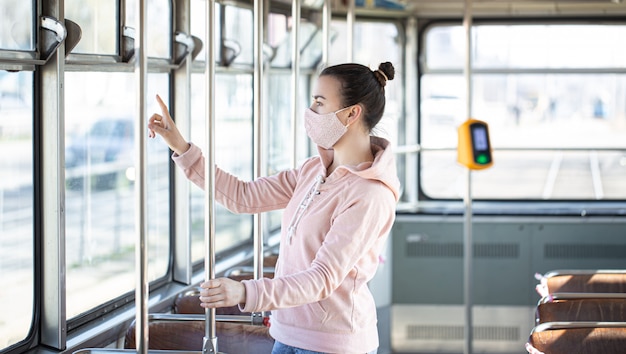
[(16, 29), (97, 21), (100, 208), (552, 46), (159, 25), (197, 22), (310, 45), (16, 206), (556, 110), (238, 34), (236, 39), (233, 144)]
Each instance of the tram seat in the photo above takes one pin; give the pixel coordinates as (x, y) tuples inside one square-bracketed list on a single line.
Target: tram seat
[(247, 272), (270, 260), (582, 281), (189, 303), (189, 335), (577, 338), (577, 307)]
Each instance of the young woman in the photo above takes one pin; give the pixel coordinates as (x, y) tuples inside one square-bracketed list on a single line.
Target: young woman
[(338, 211)]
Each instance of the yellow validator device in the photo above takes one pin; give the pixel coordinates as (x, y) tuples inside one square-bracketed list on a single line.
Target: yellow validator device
[(474, 149)]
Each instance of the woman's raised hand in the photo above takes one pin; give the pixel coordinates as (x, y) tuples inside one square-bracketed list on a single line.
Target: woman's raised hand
[(166, 128)]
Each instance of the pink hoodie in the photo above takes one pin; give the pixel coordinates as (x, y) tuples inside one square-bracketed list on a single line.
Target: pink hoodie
[(333, 231)]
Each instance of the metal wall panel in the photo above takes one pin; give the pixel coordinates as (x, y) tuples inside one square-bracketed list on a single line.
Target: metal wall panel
[(427, 275)]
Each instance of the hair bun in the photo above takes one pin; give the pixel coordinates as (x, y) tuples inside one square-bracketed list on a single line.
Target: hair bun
[(384, 73)]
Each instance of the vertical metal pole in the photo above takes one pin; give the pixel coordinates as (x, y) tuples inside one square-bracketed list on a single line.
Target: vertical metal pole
[(141, 202), (326, 19), (53, 331), (209, 345), (467, 264), (350, 18), (183, 268), (295, 74), (467, 229), (258, 124), (411, 107), (467, 24)]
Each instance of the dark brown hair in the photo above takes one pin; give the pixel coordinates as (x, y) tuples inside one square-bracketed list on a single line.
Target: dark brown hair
[(361, 85)]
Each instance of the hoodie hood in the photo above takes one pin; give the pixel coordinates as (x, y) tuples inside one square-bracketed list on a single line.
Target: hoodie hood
[(382, 169)]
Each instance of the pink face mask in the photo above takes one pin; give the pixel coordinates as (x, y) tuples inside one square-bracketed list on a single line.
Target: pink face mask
[(324, 129)]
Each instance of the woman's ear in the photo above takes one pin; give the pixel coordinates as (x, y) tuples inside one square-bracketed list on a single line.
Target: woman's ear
[(354, 113)]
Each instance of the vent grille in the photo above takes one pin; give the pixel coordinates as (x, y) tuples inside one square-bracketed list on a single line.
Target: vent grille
[(484, 333), (571, 251), (455, 250)]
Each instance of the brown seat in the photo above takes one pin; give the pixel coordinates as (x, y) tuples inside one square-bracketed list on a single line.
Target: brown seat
[(189, 335), (578, 338), (247, 272), (189, 303), (584, 282), (581, 309), (270, 260)]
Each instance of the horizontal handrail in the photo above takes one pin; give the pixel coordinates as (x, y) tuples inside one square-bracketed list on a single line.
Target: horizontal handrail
[(580, 296), (546, 326), (561, 272), (253, 318)]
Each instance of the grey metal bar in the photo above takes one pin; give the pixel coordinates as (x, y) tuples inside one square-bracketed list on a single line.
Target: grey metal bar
[(183, 269), (467, 265), (506, 71), (209, 345), (258, 13), (326, 19), (295, 74), (128, 351), (557, 272), (576, 296), (411, 111), (350, 18), (467, 226), (249, 319), (53, 261), (141, 201), (582, 324), (411, 149)]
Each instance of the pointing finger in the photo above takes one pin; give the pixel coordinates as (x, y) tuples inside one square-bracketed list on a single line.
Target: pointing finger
[(163, 106)]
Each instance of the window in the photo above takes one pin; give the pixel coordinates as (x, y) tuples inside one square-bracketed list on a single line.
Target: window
[(100, 207), (16, 206), (97, 20), (16, 29), (159, 25), (237, 36), (100, 122), (233, 154), (553, 96)]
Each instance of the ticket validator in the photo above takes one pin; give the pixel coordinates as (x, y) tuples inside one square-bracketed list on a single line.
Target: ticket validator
[(474, 149)]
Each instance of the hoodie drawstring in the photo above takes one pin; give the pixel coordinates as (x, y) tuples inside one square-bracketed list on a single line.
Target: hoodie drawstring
[(304, 204)]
